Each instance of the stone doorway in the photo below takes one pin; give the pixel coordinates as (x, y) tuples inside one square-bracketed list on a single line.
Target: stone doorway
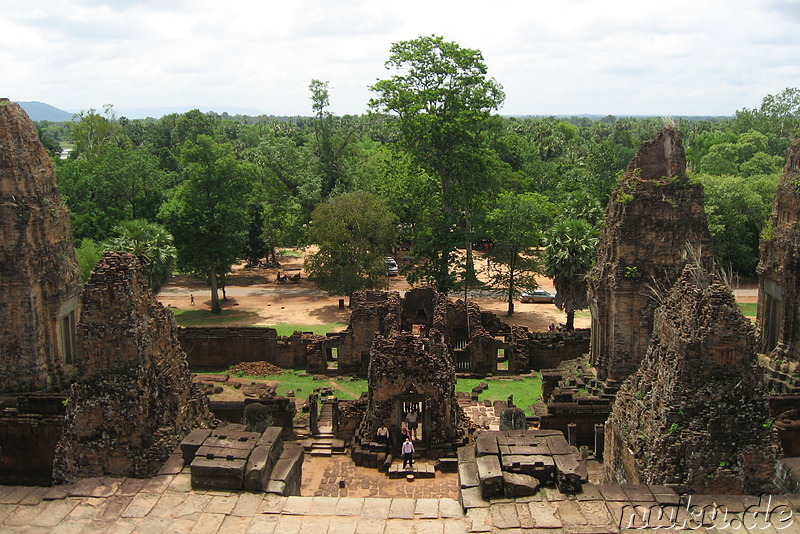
[(414, 403), (332, 358)]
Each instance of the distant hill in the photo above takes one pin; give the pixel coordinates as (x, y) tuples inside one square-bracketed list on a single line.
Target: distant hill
[(39, 111)]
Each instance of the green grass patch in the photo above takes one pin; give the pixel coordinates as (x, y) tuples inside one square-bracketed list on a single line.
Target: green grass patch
[(287, 329), (585, 313), (290, 253), (525, 391), (293, 380), (206, 318), (749, 309)]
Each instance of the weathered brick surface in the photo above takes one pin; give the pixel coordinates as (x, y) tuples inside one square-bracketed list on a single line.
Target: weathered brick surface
[(655, 214), (778, 270), (695, 414), (134, 399), (39, 276)]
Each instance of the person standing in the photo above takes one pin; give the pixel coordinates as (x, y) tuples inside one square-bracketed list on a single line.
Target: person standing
[(382, 434), (408, 453), (412, 421)]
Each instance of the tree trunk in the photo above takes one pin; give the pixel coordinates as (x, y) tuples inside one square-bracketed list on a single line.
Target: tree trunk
[(212, 277), (469, 267), (512, 265), (570, 320)]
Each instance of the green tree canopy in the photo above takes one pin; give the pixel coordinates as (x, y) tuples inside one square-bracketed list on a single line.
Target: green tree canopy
[(443, 100), (737, 209), (207, 213), (354, 233), (515, 227)]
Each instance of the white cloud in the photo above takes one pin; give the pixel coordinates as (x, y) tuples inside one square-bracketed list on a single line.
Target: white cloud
[(573, 56)]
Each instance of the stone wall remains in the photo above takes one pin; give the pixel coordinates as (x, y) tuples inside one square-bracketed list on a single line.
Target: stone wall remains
[(39, 276), (214, 348), (30, 427)]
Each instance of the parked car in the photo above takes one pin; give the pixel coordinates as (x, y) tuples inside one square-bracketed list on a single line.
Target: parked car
[(537, 295), (391, 266)]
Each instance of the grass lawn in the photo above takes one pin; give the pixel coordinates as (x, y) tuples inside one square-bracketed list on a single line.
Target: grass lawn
[(292, 380), (287, 329), (290, 253), (206, 318), (749, 309), (525, 391)]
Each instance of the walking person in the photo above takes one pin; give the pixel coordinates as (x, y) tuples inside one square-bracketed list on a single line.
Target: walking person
[(408, 453)]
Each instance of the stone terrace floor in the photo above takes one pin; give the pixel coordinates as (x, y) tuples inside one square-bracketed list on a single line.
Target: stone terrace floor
[(168, 504)]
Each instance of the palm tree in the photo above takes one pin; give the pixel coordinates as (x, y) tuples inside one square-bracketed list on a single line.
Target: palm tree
[(152, 244), (568, 257)]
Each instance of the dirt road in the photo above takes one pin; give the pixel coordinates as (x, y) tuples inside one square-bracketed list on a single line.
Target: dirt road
[(268, 303)]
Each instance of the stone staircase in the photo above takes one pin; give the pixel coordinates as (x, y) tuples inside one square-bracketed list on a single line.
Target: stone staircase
[(324, 443)]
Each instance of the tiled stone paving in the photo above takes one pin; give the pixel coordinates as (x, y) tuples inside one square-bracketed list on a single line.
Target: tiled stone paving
[(167, 504)]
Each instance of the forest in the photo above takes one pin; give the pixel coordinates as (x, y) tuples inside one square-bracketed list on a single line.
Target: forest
[(433, 169)]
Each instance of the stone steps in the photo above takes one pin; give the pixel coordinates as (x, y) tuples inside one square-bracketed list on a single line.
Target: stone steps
[(419, 471)]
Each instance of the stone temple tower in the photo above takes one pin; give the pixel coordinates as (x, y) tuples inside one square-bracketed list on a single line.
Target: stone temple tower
[(779, 269), (695, 414), (655, 223), (39, 276)]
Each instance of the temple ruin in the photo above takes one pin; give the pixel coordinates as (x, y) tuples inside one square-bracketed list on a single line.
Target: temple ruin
[(39, 276), (694, 416), (779, 270), (134, 399), (654, 219)]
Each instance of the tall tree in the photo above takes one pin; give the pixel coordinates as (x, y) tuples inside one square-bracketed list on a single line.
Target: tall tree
[(354, 233), (568, 257), (206, 214), (515, 227), (92, 130), (443, 100)]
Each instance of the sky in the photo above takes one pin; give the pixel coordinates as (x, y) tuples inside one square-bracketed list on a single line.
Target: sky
[(619, 57)]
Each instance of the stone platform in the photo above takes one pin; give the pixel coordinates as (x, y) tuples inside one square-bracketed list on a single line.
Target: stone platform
[(167, 503)]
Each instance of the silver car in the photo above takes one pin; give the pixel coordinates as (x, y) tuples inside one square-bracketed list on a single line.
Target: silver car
[(537, 295), (391, 266)]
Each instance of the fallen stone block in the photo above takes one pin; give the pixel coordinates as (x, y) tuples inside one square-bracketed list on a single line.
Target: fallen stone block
[(447, 465), (486, 445), (217, 473), (490, 476), (466, 453), (258, 469), (468, 474), (192, 442), (571, 472), (539, 466), (519, 485)]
